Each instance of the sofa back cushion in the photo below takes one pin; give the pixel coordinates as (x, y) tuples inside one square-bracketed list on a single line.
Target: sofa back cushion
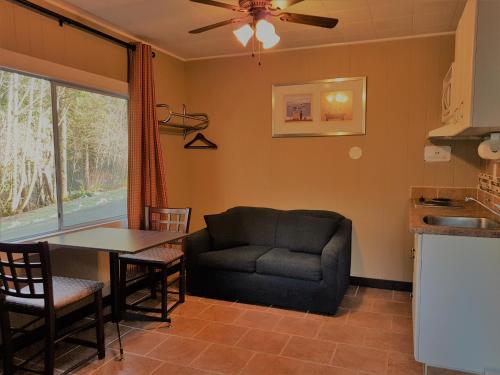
[(226, 230), (300, 232), (258, 224)]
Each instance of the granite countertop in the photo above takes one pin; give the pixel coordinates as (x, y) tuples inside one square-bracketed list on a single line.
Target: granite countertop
[(469, 209)]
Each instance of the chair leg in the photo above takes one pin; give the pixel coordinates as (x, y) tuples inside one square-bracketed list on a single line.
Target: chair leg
[(50, 335), (164, 293), (8, 354), (123, 286), (182, 280), (152, 281), (99, 325)]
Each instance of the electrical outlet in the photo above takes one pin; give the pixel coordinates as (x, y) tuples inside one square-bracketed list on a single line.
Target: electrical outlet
[(437, 153)]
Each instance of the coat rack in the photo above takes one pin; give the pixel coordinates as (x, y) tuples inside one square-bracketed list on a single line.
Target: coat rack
[(182, 123), (186, 123)]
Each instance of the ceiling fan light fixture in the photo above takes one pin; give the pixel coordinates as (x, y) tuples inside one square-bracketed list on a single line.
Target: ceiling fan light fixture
[(271, 41), (266, 33), (244, 34)]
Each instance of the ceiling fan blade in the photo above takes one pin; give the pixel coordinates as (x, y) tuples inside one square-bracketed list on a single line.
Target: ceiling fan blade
[(218, 4), (306, 19), (282, 4), (215, 25)]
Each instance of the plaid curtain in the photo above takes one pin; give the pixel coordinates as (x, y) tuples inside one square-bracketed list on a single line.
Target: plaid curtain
[(146, 173)]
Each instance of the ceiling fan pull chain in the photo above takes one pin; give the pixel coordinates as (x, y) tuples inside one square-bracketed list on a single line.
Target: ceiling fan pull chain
[(260, 44)]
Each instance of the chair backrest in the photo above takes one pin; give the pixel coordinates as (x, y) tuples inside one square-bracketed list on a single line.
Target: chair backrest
[(168, 219), (25, 271)]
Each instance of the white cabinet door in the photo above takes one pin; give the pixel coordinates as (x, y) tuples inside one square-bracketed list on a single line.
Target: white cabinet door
[(458, 308)]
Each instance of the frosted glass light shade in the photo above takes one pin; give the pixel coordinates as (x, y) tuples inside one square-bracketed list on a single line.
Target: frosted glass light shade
[(244, 34)]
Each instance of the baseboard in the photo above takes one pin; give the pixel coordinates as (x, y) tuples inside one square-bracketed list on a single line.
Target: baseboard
[(404, 286)]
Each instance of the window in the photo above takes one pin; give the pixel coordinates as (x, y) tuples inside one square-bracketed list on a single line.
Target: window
[(63, 156)]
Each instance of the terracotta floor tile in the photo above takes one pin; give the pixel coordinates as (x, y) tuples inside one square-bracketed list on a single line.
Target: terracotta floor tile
[(342, 333), (183, 326), (266, 364), (191, 308), (139, 342), (172, 368), (352, 290), (131, 364), (263, 341), (375, 293), (223, 359), (359, 303), (382, 339), (369, 320), (309, 349), (258, 319), (142, 321), (401, 296), (392, 307), (402, 324), (110, 333), (309, 368), (71, 358), (179, 350), (285, 312), (248, 306), (298, 326), (220, 313), (403, 364), (360, 358), (221, 333), (340, 317)]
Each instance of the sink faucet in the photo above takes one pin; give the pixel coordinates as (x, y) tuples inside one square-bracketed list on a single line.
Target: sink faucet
[(496, 212)]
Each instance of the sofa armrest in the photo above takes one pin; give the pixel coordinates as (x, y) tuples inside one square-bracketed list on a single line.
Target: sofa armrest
[(195, 244), (336, 259)]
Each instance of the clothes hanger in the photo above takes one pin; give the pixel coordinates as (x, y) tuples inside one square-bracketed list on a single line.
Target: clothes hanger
[(200, 137)]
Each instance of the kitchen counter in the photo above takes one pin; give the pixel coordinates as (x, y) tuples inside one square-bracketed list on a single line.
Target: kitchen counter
[(469, 209)]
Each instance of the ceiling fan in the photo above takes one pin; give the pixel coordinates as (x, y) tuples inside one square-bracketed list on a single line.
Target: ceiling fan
[(261, 11)]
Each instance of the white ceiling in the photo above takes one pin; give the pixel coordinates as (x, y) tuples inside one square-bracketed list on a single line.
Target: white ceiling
[(165, 23)]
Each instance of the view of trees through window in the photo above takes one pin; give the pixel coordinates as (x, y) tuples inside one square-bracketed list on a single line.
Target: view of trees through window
[(53, 177)]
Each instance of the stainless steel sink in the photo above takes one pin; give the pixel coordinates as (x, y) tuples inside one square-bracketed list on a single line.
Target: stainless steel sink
[(462, 222)]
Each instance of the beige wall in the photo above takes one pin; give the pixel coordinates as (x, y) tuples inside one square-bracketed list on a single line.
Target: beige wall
[(251, 168)]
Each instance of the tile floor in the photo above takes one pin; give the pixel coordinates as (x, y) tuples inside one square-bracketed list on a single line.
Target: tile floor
[(371, 334)]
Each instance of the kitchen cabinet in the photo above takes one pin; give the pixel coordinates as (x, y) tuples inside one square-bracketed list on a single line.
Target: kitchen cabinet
[(475, 87), (456, 302)]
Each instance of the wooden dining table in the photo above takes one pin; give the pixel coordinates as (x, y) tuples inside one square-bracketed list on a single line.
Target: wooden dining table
[(114, 241)]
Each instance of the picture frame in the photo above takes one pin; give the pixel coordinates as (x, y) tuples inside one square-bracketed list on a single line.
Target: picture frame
[(330, 107)]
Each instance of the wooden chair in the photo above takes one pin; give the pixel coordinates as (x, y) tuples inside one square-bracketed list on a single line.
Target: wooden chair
[(168, 261), (28, 287)]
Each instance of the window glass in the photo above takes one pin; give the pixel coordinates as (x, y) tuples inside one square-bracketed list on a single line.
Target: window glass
[(28, 196), (54, 177), (93, 144)]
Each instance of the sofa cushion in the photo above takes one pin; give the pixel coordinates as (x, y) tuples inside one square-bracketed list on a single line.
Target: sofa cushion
[(286, 263), (240, 258), (259, 224), (304, 233), (226, 230)]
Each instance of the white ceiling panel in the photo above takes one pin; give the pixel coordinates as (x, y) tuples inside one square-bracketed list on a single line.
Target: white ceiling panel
[(165, 23)]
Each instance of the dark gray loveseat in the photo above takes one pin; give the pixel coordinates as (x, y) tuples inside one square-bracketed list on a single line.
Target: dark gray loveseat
[(297, 259)]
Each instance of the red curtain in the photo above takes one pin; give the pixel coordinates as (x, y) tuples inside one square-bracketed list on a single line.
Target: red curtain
[(146, 172)]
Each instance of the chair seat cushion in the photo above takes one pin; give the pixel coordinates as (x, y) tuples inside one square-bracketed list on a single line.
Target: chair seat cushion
[(241, 258), (66, 292), (160, 255), (283, 262)]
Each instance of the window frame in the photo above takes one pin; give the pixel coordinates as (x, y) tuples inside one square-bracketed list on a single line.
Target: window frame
[(54, 83)]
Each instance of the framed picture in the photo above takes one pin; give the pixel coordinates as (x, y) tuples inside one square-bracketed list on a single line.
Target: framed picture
[(320, 108)]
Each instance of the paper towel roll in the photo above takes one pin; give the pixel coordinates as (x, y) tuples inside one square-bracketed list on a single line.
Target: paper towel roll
[(485, 152)]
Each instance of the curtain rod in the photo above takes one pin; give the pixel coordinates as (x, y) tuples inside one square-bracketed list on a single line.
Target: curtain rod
[(65, 20)]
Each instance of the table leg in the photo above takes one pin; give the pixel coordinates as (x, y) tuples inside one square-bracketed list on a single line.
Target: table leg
[(114, 273)]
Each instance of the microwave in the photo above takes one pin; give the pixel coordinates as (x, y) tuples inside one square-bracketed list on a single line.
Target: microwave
[(446, 97)]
